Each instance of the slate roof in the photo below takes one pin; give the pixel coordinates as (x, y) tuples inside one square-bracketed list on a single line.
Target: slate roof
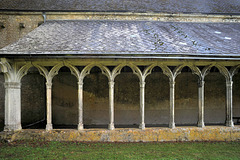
[(98, 37), (165, 6)]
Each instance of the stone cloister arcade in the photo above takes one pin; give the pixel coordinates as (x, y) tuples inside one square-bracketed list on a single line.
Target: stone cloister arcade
[(15, 70)]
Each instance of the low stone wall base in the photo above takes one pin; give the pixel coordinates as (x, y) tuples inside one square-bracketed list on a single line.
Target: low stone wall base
[(210, 133)]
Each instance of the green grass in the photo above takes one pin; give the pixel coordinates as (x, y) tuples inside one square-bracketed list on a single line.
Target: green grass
[(78, 150)]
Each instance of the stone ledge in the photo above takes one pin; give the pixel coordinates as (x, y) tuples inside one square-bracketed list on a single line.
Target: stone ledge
[(215, 133)]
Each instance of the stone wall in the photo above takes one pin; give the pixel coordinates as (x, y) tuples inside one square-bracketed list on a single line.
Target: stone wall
[(236, 96), (179, 134), (33, 98), (65, 100), (2, 96), (12, 31)]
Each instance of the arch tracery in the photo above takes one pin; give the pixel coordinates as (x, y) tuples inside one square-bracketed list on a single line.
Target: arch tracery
[(14, 73)]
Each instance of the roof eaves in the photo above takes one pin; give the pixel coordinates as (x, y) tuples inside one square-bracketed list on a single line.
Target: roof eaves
[(83, 55), (117, 11)]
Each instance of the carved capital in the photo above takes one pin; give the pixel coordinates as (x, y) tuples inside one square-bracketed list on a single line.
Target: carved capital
[(111, 84), (201, 83), (172, 84), (229, 83), (80, 85), (142, 84), (49, 85), (12, 85)]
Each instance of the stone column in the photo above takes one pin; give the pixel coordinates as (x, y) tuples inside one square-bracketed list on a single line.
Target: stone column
[(80, 105), (111, 105), (49, 106), (201, 104), (12, 106), (142, 104), (229, 116), (172, 103)]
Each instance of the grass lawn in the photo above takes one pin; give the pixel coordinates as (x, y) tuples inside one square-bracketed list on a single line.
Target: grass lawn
[(78, 150)]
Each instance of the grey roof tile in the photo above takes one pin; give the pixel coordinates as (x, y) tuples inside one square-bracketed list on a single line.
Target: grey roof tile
[(136, 37), (166, 6)]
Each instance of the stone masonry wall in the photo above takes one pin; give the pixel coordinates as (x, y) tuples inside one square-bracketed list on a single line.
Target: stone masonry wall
[(2, 96), (182, 134), (33, 98), (12, 31), (65, 100)]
